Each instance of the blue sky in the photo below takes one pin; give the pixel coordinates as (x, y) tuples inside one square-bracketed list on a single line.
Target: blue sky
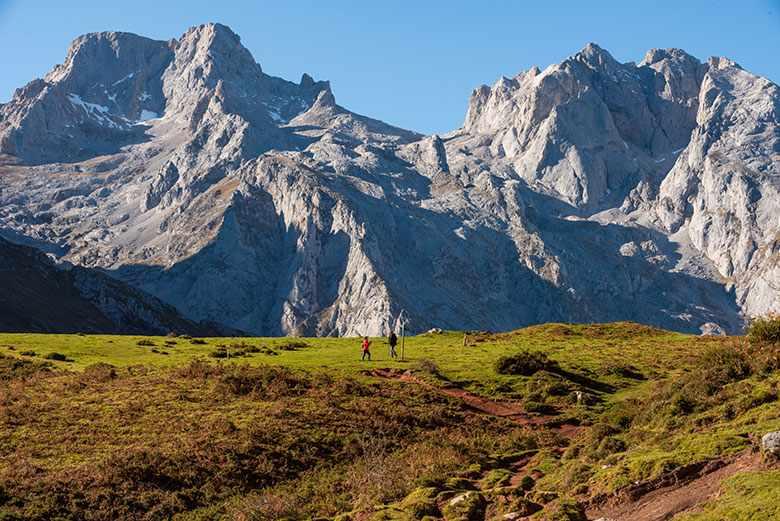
[(410, 63)]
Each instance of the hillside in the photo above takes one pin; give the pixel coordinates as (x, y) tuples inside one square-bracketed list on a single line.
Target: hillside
[(565, 422), (38, 295), (591, 190)]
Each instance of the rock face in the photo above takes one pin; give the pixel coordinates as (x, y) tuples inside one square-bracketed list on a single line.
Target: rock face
[(590, 191), (39, 296)]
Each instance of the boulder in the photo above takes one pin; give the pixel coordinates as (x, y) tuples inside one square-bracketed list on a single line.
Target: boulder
[(469, 506), (711, 329), (770, 444)]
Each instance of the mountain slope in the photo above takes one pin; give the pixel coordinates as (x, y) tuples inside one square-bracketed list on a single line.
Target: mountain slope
[(39, 296), (590, 191)]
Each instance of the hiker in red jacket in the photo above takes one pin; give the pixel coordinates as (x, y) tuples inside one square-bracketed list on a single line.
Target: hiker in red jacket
[(366, 352)]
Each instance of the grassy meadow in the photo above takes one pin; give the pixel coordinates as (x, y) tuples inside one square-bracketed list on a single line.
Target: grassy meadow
[(129, 427)]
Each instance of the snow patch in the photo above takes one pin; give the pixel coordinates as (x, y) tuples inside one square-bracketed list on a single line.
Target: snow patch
[(93, 110), (146, 115), (275, 116), (129, 76)]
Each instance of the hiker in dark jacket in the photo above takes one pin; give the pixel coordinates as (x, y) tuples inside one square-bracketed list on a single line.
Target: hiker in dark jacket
[(393, 341), (366, 345)]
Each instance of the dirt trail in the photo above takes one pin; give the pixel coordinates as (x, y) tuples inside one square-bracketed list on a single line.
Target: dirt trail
[(677, 492), (510, 410), (665, 502)]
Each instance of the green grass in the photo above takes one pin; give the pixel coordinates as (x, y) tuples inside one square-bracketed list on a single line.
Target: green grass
[(295, 428), (590, 348)]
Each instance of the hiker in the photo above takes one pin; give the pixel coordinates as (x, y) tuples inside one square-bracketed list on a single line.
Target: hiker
[(393, 341), (366, 352)]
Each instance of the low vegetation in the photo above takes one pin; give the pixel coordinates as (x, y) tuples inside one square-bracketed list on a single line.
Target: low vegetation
[(105, 427), (524, 363), (764, 330)]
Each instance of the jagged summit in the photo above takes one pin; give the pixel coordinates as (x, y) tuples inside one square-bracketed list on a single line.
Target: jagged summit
[(591, 190), (656, 55), (594, 56)]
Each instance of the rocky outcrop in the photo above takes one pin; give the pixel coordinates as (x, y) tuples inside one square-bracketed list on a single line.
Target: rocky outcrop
[(723, 189), (770, 443), (589, 191)]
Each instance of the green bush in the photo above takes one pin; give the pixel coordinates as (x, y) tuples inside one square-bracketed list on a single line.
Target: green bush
[(568, 510), (527, 483), (59, 357), (292, 346), (537, 407), (764, 330), (524, 363), (720, 366), (145, 342)]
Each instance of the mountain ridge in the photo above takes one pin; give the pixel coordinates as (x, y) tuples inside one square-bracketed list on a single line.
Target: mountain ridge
[(589, 191)]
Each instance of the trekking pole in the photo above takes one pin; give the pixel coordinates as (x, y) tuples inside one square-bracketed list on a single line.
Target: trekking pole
[(403, 337)]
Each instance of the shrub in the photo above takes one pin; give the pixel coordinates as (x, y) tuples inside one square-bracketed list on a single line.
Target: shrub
[(100, 372), (568, 511), (527, 483), (264, 382), (293, 346), (764, 330), (238, 350), (537, 407), (622, 370), (524, 363), (199, 369), (145, 342), (426, 365), (610, 445), (11, 367), (722, 365), (28, 353), (59, 357), (198, 341)]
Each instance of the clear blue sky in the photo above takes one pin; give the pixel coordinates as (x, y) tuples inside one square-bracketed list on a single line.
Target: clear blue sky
[(410, 63)]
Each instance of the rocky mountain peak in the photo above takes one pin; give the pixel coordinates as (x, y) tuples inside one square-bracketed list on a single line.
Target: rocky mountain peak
[(595, 57), (721, 63), (215, 48), (117, 53), (654, 56), (306, 81)]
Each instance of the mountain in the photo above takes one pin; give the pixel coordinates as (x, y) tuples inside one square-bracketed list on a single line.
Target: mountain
[(591, 191), (40, 296)]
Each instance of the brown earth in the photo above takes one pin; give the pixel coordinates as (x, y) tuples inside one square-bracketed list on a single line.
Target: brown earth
[(513, 411), (676, 492)]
